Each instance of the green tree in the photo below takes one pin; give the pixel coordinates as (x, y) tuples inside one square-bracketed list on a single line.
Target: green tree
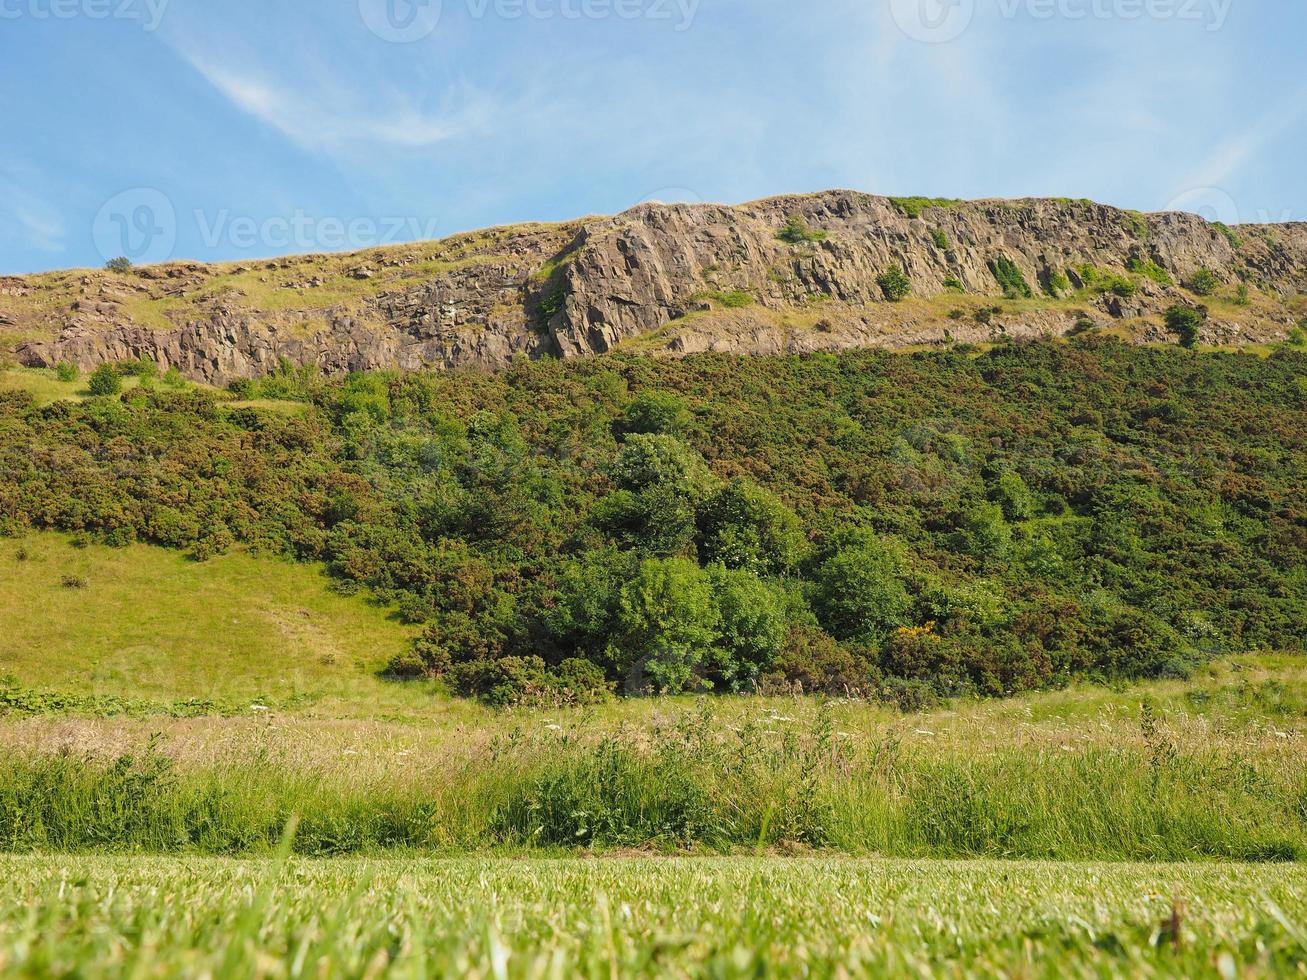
[(667, 624), (744, 526), (752, 627), (1186, 322), (859, 594), (105, 380), (984, 532)]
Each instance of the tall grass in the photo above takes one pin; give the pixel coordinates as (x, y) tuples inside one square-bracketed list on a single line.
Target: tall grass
[(693, 784)]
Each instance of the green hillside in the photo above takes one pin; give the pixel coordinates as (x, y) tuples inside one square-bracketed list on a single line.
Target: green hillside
[(904, 526), (143, 622)]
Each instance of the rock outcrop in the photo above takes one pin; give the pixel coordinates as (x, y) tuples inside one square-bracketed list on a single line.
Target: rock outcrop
[(675, 279)]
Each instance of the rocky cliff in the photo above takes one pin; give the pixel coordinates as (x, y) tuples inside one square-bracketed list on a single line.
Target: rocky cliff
[(785, 274)]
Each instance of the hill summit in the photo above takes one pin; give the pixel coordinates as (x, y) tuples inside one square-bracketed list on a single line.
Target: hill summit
[(828, 271)]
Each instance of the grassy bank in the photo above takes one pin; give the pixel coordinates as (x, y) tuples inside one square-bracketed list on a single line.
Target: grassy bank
[(687, 782), (645, 917)]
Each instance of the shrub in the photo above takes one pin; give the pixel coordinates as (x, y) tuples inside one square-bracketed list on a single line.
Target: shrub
[(894, 283), (736, 299), (245, 389), (954, 285), (655, 413), (73, 582), (813, 662), (745, 526), (1204, 282), (939, 238), (120, 264), (1149, 270), (1010, 278), (858, 593), (1012, 494), (505, 681), (1056, 283), (105, 381), (67, 372), (797, 232), (984, 534), (1118, 286), (1186, 322), (1241, 295), (1229, 234)]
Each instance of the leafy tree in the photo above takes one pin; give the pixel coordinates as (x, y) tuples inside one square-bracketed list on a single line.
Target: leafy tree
[(858, 593), (751, 630), (105, 381), (744, 526), (120, 264), (667, 624), (1186, 322)]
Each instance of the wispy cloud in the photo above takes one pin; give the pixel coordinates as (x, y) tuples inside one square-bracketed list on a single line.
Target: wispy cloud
[(1235, 151), (318, 114)]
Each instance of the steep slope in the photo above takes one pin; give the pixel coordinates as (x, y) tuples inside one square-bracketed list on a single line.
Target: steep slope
[(676, 278)]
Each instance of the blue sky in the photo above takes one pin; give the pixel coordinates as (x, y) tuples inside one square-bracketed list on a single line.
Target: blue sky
[(242, 128)]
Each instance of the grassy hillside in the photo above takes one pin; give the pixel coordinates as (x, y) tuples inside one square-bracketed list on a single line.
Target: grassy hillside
[(147, 623), (905, 525)]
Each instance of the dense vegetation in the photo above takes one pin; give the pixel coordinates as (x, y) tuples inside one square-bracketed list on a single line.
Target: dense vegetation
[(903, 525)]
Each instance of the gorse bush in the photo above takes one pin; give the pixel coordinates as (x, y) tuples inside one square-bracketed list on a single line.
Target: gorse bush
[(894, 283), (726, 523), (1203, 282), (797, 232), (105, 381)]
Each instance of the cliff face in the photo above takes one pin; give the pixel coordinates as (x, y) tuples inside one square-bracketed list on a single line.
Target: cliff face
[(676, 278)]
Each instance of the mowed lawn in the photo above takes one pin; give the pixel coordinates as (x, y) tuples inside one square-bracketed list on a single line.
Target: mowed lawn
[(719, 917), (145, 622)]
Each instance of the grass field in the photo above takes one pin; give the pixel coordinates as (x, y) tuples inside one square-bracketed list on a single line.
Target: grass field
[(148, 623), (797, 837), (741, 917)]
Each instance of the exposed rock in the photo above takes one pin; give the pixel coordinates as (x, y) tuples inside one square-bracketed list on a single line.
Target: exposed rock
[(676, 278)]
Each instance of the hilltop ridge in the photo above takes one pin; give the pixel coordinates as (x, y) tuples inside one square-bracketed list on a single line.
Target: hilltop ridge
[(785, 274)]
